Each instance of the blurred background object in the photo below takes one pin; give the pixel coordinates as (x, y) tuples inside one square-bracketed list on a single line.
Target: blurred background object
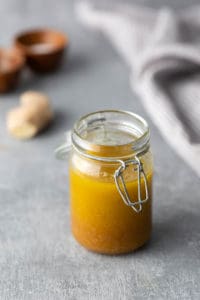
[(31, 116), (162, 51), (43, 48), (11, 64)]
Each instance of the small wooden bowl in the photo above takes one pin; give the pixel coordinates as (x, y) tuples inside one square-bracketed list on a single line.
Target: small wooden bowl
[(11, 64), (43, 48)]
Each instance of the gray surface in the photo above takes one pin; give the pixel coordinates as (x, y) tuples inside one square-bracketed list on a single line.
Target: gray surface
[(38, 257)]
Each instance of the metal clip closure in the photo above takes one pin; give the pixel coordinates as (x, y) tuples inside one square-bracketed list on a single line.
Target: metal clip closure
[(121, 186), (63, 150)]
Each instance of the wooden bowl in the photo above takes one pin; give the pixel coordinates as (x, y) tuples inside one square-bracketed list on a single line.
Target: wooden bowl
[(11, 64), (43, 48)]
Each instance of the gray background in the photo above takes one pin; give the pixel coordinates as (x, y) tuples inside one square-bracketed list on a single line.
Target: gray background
[(38, 257)]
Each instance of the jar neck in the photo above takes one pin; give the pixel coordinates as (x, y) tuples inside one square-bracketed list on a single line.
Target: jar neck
[(111, 134)]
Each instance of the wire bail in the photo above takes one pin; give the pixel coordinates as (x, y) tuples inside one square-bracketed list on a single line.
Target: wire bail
[(62, 153), (121, 186)]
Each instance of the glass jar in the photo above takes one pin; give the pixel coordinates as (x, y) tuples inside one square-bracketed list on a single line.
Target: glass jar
[(110, 172)]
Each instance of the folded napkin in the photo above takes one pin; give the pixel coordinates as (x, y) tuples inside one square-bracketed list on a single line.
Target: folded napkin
[(162, 48)]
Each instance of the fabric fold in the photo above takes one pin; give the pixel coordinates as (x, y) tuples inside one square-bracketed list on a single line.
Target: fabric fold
[(162, 49)]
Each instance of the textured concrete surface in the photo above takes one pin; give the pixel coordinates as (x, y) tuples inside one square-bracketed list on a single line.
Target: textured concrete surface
[(38, 257)]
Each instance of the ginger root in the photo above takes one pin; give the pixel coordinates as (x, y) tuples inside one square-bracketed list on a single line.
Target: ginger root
[(33, 115)]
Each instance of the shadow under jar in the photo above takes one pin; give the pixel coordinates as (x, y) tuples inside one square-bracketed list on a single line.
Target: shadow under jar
[(110, 174)]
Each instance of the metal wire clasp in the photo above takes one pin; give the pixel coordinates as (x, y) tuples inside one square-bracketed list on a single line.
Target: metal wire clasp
[(121, 186), (63, 150)]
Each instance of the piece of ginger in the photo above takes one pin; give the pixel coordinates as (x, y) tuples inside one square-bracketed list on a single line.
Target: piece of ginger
[(33, 115)]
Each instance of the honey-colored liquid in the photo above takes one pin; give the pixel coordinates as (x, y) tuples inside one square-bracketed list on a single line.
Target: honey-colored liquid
[(100, 220)]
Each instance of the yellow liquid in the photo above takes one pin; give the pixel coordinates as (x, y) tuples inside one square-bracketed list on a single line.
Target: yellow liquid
[(100, 220)]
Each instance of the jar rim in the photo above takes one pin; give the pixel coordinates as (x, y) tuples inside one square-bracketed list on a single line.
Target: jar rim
[(138, 144)]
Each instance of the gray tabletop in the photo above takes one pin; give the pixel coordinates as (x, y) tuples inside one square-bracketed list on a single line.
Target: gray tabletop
[(39, 258)]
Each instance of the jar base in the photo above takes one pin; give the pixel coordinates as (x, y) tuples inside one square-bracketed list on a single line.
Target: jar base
[(114, 251)]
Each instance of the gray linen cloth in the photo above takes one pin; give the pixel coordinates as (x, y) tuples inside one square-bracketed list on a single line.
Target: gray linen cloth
[(162, 48)]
